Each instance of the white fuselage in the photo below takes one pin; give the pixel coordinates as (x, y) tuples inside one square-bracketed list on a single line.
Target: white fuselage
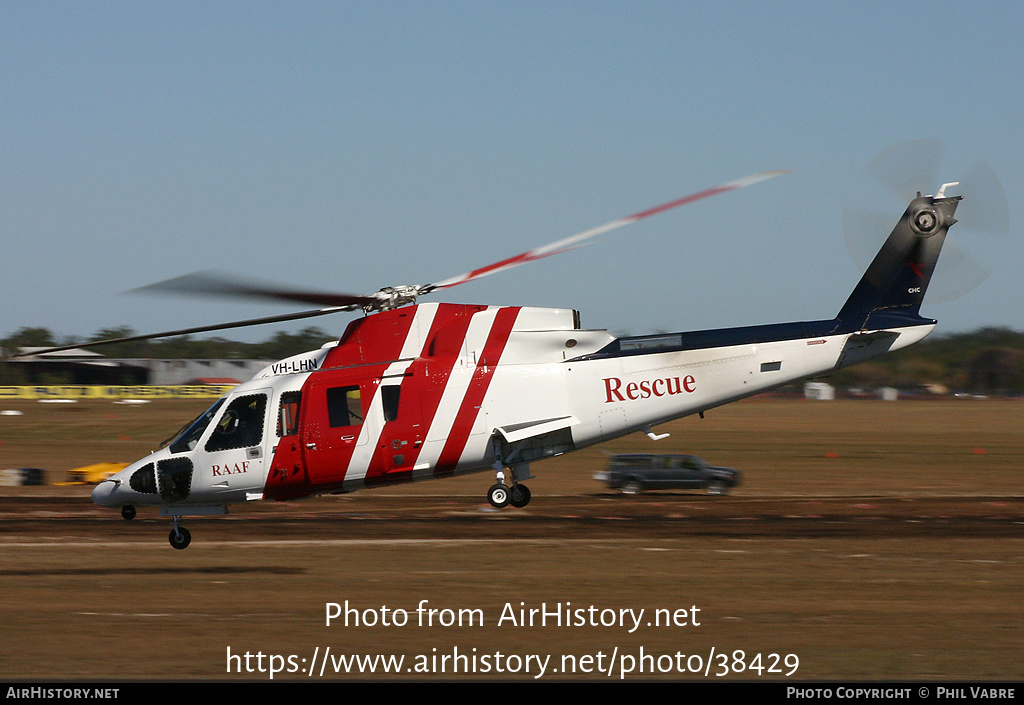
[(508, 386)]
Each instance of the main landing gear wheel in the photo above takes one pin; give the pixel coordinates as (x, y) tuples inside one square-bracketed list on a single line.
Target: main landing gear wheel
[(520, 496), (180, 537), (498, 496), (501, 496)]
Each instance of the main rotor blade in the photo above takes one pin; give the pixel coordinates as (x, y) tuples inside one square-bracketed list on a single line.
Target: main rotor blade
[(188, 331), (210, 283), (574, 241)]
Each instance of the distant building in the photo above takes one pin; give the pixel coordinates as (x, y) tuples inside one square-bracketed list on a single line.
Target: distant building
[(201, 371), (819, 391), (86, 367)]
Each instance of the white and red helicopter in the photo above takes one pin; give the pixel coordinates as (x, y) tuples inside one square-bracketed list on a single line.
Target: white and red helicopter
[(417, 391)]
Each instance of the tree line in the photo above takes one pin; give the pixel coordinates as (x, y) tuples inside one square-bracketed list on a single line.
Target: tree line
[(988, 360), (984, 361), (278, 346)]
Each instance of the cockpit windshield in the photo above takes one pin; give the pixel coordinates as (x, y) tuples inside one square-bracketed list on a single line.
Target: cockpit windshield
[(188, 438)]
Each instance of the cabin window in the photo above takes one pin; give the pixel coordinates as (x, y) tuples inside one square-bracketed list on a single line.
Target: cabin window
[(652, 342), (143, 480), (288, 414), (389, 397), (344, 407), (241, 424), (175, 478), (189, 436)]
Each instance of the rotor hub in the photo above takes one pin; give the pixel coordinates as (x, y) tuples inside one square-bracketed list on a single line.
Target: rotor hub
[(925, 222), (391, 297)]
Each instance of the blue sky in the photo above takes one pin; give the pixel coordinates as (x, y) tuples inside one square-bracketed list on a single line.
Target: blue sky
[(354, 145)]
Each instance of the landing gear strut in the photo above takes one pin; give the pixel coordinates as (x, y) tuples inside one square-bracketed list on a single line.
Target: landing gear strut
[(180, 537)]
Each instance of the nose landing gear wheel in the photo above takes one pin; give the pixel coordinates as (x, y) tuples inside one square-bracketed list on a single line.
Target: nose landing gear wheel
[(180, 537), (128, 512)]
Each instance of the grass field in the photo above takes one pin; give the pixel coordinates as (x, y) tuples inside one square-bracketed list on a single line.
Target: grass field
[(784, 446), (87, 595)]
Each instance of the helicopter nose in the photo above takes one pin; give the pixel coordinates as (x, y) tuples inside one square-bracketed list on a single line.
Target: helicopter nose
[(105, 493)]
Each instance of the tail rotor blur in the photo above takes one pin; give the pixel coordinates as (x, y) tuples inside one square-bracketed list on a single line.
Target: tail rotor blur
[(916, 166)]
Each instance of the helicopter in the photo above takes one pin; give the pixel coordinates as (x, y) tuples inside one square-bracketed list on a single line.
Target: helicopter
[(416, 391)]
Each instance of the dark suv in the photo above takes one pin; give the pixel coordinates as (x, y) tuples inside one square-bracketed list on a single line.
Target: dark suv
[(636, 472)]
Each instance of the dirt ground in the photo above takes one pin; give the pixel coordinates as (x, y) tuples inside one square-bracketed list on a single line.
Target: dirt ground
[(869, 541)]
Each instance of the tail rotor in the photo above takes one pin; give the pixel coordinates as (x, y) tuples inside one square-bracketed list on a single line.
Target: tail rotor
[(911, 167)]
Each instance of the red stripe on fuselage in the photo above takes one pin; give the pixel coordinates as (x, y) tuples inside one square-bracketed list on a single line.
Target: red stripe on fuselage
[(361, 357), (424, 384), (501, 329)]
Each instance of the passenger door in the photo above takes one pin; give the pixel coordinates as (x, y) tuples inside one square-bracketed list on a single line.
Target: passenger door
[(332, 427)]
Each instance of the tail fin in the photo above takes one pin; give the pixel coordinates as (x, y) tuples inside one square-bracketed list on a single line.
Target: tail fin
[(891, 290)]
